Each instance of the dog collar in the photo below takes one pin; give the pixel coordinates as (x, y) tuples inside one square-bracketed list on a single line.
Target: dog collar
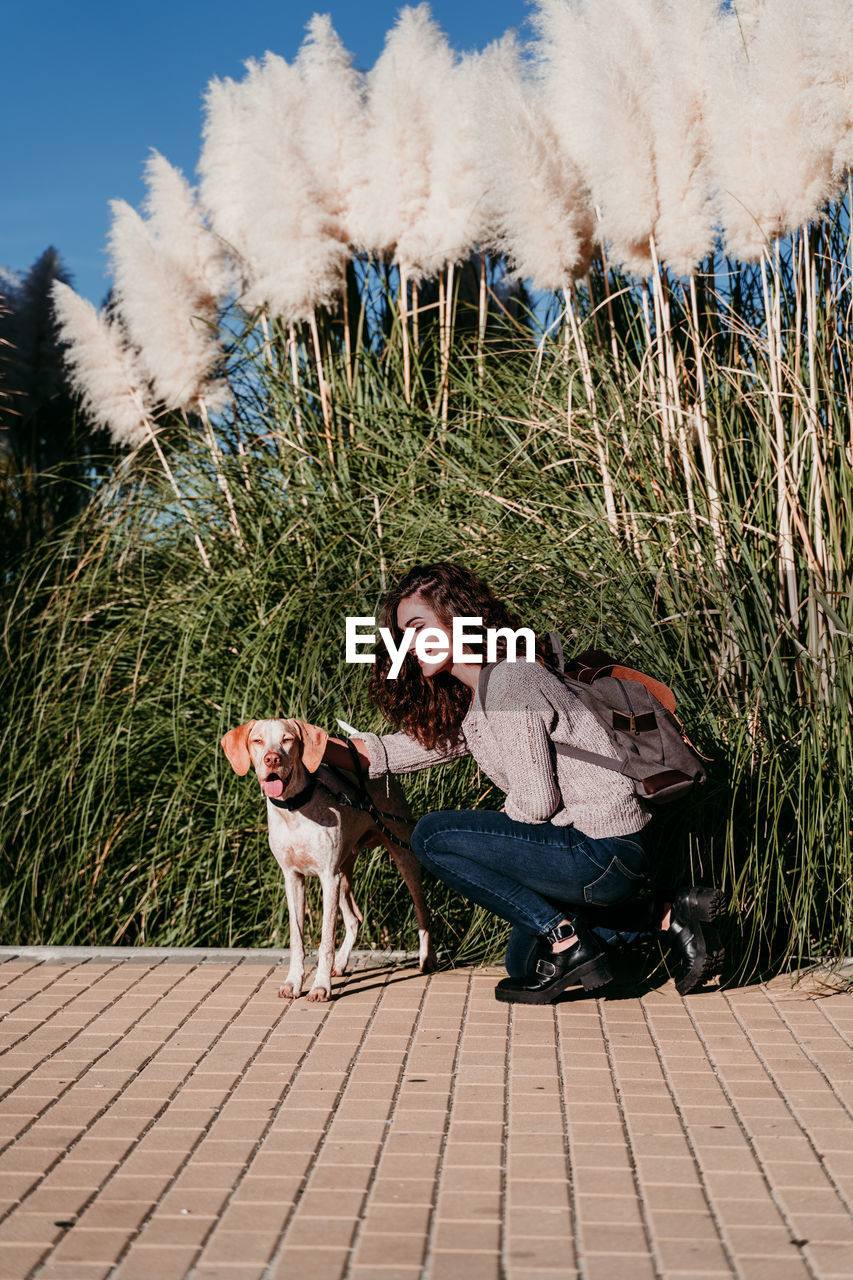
[(302, 797)]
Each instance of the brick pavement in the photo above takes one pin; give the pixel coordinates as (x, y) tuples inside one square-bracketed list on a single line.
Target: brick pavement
[(166, 1116)]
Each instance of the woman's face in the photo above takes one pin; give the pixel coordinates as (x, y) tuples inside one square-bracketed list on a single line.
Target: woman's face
[(416, 612)]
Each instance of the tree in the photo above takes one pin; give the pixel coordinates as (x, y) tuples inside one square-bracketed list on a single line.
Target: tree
[(45, 446)]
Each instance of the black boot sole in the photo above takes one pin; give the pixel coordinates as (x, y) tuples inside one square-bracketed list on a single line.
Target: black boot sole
[(591, 976)]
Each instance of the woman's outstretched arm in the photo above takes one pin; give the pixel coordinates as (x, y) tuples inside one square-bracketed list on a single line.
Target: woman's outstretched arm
[(386, 753), (338, 756)]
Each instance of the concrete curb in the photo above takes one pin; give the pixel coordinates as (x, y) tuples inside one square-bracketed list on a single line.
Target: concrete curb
[(254, 955)]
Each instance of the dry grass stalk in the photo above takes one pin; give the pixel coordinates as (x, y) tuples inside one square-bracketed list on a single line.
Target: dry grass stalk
[(404, 330), (482, 315), (787, 563), (450, 300), (347, 337), (704, 434), (268, 345), (293, 349), (325, 407), (668, 431), (589, 388), (169, 474), (221, 478)]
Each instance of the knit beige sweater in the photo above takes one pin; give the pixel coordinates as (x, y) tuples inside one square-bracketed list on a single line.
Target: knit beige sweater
[(527, 708)]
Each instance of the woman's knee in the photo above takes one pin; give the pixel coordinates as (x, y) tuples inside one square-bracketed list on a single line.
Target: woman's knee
[(419, 835), (427, 832)]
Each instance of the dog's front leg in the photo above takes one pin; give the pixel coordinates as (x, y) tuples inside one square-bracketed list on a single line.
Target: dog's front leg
[(322, 988), (294, 883)]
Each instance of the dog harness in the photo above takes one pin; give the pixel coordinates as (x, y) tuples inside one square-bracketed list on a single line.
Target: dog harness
[(363, 802)]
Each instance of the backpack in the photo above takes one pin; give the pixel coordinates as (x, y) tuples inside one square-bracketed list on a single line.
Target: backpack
[(637, 713)]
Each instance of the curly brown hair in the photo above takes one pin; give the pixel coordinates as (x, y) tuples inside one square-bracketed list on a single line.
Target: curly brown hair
[(432, 710)]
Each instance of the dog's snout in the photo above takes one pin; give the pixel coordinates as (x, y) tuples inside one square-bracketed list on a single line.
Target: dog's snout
[(271, 759)]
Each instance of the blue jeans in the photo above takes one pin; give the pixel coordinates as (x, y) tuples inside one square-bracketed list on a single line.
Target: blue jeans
[(528, 872)]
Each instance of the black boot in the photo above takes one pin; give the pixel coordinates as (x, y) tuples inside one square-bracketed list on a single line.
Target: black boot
[(693, 934), (583, 964)]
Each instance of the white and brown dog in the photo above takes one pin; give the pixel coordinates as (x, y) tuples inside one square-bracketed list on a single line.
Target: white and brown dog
[(317, 826)]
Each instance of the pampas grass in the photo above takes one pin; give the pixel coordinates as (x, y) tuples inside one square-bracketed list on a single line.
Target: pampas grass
[(173, 850), (596, 61), (773, 122), (168, 312), (405, 150), (683, 230), (832, 23), (176, 221), (264, 198), (332, 125), (543, 222), (113, 389)]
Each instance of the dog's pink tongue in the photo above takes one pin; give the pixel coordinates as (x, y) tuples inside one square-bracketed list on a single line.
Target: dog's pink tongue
[(273, 787)]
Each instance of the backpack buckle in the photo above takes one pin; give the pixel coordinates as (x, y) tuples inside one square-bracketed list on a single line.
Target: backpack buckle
[(633, 723)]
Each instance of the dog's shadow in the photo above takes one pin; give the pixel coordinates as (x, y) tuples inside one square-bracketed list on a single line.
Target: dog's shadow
[(376, 976)]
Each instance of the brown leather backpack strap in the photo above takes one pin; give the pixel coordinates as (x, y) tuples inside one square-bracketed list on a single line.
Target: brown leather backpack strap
[(656, 688)]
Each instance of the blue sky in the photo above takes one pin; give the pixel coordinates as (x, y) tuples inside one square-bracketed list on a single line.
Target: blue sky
[(91, 86)]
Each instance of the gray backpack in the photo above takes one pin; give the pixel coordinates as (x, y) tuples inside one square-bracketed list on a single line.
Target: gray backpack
[(637, 713)]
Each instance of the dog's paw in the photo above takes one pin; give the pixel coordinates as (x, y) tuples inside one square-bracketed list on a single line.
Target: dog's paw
[(288, 991), (429, 964), (319, 995)]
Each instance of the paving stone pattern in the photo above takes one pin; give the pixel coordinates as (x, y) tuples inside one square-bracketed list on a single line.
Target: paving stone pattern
[(164, 1117)]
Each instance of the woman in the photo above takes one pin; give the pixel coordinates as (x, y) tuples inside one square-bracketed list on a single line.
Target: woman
[(571, 836)]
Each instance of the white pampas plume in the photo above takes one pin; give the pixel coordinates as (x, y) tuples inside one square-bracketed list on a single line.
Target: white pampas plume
[(459, 216), (333, 121), (167, 312), (832, 22), (543, 221), (225, 164), (263, 196), (103, 369), (678, 92), (597, 59), (774, 127), (112, 386), (419, 140), (177, 223)]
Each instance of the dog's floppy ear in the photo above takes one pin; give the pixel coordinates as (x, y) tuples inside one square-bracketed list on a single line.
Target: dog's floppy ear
[(235, 744), (314, 741)]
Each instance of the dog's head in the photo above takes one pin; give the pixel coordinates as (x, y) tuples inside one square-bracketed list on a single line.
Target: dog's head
[(275, 748)]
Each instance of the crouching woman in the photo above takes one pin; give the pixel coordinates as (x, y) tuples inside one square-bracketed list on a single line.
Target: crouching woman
[(571, 837)]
